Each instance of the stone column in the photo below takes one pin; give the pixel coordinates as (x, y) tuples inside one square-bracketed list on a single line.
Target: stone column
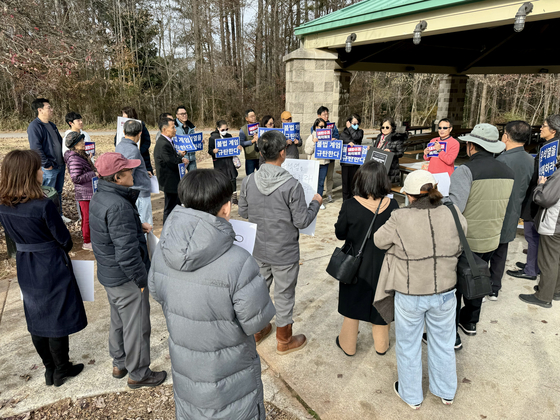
[(451, 99), (313, 80)]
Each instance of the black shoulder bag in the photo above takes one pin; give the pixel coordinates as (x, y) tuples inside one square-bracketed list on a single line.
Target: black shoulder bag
[(343, 266), (473, 274)]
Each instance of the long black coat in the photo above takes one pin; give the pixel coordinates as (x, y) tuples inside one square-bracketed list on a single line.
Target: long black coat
[(395, 143), (224, 165), (349, 135), (51, 299), (167, 169)]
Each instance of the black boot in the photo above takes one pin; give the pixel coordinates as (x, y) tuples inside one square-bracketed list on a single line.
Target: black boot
[(42, 346), (64, 369)]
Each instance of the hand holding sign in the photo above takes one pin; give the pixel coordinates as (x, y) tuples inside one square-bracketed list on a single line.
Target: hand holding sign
[(228, 147)]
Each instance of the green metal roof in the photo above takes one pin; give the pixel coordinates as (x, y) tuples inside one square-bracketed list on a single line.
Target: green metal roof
[(373, 10)]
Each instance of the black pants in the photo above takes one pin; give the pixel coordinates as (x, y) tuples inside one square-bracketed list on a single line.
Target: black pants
[(171, 200), (498, 266), (348, 172), (53, 352), (470, 314)]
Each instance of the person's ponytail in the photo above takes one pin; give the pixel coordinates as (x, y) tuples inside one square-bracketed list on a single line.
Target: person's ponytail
[(433, 194)]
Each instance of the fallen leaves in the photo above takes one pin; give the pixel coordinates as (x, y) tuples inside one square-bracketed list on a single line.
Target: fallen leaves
[(26, 377), (466, 381), (91, 362), (544, 321), (493, 322)]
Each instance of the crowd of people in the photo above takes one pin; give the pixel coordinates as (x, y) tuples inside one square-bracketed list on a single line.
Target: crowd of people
[(216, 297)]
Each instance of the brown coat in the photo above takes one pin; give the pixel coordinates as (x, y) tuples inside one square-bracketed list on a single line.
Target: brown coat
[(422, 246)]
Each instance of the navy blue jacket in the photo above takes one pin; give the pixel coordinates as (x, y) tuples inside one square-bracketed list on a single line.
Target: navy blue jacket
[(41, 142), (51, 298), (118, 242)]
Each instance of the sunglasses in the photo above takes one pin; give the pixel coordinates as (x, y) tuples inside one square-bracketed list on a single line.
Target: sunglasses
[(320, 126), (443, 128), (385, 128)]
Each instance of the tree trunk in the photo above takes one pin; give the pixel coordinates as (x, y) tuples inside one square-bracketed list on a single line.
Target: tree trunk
[(483, 100)]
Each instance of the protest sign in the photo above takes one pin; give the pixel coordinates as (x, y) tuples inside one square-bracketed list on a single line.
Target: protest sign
[(182, 169), (90, 148), (291, 130), (252, 129), (245, 234), (432, 150), (386, 158), (331, 126), (354, 155), (263, 130), (227, 147), (120, 124), (307, 173), (151, 242), (443, 183), (329, 149), (154, 185), (183, 144), (94, 182), (548, 158), (323, 134)]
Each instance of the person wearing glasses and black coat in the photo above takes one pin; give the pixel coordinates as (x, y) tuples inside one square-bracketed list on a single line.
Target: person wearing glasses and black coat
[(443, 150), (391, 141)]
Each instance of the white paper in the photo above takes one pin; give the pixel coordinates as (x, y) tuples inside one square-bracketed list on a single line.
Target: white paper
[(307, 173), (153, 240), (443, 183), (84, 273), (120, 131), (245, 234), (154, 185)]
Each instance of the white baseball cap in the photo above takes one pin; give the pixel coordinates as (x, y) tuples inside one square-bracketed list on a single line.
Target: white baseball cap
[(415, 180)]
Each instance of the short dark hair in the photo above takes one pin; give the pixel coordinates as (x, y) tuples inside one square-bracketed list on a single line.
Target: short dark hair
[(447, 120), (71, 116), (132, 128), (247, 112), (266, 119), (164, 122), (205, 190), (477, 147), (317, 122), (553, 122), (164, 115), (220, 123), (180, 107), (130, 112), (391, 123), (111, 178), (271, 143), (322, 109), (351, 117), (519, 131), (38, 104), (371, 180)]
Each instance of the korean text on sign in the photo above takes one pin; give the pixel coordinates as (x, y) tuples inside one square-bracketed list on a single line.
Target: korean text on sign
[(354, 155), (183, 144), (291, 130), (196, 139), (327, 149), (548, 159), (90, 148), (252, 129), (263, 130), (227, 147), (432, 150), (324, 134), (94, 183), (182, 170), (330, 126)]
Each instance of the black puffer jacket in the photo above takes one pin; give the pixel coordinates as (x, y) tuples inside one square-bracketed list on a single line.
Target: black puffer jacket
[(116, 235), (349, 135), (395, 143)]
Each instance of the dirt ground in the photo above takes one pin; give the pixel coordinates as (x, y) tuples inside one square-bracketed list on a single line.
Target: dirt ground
[(146, 403)]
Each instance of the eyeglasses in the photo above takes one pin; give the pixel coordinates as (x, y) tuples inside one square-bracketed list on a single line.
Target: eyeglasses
[(385, 128), (443, 128)]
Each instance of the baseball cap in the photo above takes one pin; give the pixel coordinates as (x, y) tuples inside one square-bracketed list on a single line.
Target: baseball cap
[(415, 180), (110, 163), (286, 115)]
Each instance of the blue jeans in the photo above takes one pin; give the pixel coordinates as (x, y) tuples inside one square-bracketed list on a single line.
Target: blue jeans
[(192, 162), (251, 165), (55, 179), (438, 313), (323, 169)]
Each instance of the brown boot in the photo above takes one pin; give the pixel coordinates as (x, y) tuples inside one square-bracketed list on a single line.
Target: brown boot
[(288, 343), (262, 334)]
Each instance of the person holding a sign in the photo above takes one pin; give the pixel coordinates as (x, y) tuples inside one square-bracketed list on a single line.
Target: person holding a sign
[(184, 127), (266, 122), (443, 150), (294, 143), (323, 113), (167, 161), (224, 165), (214, 301), (128, 147), (74, 120), (310, 151), (82, 171), (391, 141), (51, 298), (351, 135), (274, 200), (248, 140)]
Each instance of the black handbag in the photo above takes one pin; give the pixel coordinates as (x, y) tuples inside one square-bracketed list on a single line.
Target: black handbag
[(473, 274), (344, 266)]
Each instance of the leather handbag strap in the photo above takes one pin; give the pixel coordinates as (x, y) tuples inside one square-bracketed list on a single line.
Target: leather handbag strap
[(369, 230), (468, 253)]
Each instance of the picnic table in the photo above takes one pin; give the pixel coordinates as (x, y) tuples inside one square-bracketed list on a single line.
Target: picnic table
[(419, 127)]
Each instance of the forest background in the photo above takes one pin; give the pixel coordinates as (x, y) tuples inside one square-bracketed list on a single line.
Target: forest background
[(216, 57)]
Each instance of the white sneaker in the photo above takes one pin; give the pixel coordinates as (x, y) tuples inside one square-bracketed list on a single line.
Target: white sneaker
[(322, 207), (66, 219), (484, 299), (87, 247), (492, 297), (329, 199), (396, 389)]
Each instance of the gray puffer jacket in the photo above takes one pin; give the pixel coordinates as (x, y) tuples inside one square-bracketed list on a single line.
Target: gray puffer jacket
[(274, 200), (547, 197), (214, 300)]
